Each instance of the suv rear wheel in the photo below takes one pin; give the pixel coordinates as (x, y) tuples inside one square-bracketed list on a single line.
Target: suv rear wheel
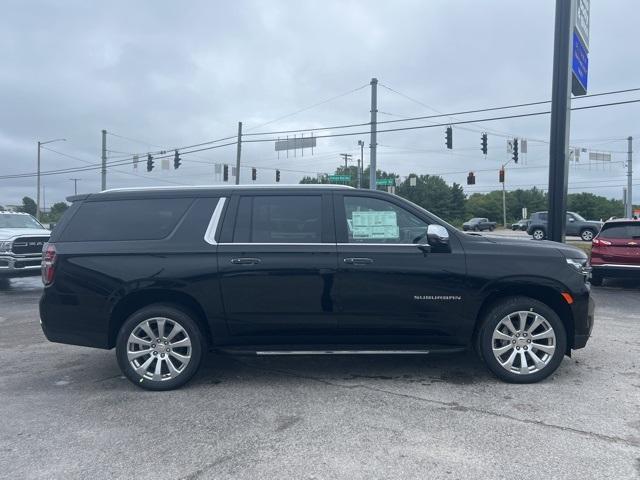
[(159, 347), (587, 234), (522, 340), (538, 234)]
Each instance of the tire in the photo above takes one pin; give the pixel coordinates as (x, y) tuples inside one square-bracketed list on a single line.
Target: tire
[(508, 365), (177, 364), (492, 228), (596, 279), (476, 229), (538, 234), (587, 234)]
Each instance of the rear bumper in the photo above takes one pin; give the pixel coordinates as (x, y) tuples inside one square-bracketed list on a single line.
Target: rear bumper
[(20, 265), (616, 270)]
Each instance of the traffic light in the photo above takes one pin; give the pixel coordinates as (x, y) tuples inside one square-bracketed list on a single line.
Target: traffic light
[(484, 143), (225, 172), (149, 162), (501, 176), (277, 176), (471, 179), (254, 174), (176, 160), (449, 138), (515, 150)]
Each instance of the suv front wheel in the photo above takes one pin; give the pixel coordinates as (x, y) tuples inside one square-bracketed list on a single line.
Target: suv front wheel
[(587, 234), (159, 347), (522, 340)]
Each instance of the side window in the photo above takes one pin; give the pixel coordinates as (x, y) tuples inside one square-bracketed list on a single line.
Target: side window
[(279, 219), (543, 217), (144, 219), (371, 220)]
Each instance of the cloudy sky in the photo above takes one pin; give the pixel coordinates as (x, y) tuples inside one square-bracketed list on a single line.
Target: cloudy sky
[(161, 74)]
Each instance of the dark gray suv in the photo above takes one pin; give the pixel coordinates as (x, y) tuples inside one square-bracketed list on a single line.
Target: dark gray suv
[(576, 226)]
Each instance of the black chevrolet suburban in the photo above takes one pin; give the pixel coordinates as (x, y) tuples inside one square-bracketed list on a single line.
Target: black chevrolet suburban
[(166, 274)]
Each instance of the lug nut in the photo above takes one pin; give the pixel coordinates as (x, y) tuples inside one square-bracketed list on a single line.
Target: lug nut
[(513, 341), (155, 353), (517, 348), (524, 334), (529, 341), (168, 349), (166, 343), (153, 345), (517, 334), (162, 355), (525, 347)]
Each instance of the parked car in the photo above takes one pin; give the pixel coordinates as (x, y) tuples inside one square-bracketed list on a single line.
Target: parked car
[(168, 273), (22, 238), (478, 225), (520, 225), (615, 251), (575, 226)]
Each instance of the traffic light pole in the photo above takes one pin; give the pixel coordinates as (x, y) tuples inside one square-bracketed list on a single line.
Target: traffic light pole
[(560, 119), (238, 153)]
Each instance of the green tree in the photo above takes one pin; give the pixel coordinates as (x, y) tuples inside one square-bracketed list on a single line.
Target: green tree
[(28, 206), (594, 207), (57, 209)]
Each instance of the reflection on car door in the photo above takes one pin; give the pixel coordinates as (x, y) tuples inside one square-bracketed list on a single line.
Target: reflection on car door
[(277, 265), (386, 285)]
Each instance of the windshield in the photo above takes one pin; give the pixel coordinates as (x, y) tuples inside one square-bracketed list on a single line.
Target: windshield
[(18, 221), (475, 220)]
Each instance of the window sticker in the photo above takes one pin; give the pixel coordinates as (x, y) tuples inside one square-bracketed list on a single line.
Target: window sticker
[(374, 225)]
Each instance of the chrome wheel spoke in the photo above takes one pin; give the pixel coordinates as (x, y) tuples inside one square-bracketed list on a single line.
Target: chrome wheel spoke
[(172, 369), (537, 321), (539, 364), (142, 369), (545, 348), (139, 341), (157, 374), (185, 342), (502, 350), (146, 328), (132, 355), (523, 320), (524, 366), (506, 321), (544, 335), (161, 322), (175, 331), (509, 362), (181, 358), (498, 335)]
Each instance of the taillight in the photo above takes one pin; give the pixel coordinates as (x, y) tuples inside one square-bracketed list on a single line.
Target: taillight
[(48, 263), (598, 242)]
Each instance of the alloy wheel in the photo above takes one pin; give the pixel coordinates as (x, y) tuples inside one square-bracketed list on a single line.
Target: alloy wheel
[(538, 234), (523, 342), (587, 235), (159, 349)]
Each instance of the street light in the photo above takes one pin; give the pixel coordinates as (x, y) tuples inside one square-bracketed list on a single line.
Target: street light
[(360, 163), (38, 194)]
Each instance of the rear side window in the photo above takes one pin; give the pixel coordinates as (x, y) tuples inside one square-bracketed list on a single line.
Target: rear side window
[(279, 219), (542, 216), (621, 231), (144, 219)]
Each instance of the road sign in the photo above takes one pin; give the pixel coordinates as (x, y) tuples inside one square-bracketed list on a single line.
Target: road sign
[(582, 21), (339, 178), (579, 66), (295, 143), (384, 182)]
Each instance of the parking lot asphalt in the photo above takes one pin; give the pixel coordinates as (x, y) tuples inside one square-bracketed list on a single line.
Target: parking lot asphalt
[(67, 412)]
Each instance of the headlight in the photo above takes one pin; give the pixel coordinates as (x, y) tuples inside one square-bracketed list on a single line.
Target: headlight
[(580, 264), (5, 246)]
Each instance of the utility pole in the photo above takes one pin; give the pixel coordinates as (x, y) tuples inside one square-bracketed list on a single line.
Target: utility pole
[(504, 206), (346, 157), (75, 185), (625, 199), (360, 163), (238, 153), (374, 134), (629, 211), (104, 159), (38, 181), (560, 118)]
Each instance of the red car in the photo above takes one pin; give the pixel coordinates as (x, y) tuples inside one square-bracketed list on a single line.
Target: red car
[(615, 251)]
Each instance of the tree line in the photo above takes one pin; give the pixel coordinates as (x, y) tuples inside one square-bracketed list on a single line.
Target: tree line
[(450, 202), (52, 216)]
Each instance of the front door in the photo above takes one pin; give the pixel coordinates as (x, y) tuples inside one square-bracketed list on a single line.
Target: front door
[(277, 265), (389, 290)]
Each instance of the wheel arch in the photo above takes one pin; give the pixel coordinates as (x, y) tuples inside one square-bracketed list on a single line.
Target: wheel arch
[(546, 294), (134, 301)]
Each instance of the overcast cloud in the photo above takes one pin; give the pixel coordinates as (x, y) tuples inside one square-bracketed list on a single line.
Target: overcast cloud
[(180, 73)]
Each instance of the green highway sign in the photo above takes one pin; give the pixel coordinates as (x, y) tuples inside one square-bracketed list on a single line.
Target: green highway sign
[(339, 178), (385, 181)]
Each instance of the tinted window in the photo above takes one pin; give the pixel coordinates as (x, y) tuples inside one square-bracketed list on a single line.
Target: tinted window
[(279, 219), (620, 231), (371, 220), (148, 219)]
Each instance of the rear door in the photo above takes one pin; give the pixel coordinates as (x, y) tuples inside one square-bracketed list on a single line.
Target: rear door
[(277, 262), (624, 240)]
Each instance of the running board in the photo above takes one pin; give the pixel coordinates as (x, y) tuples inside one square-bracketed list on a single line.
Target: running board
[(343, 352)]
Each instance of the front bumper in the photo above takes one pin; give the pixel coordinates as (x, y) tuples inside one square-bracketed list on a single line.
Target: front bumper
[(20, 265), (583, 316)]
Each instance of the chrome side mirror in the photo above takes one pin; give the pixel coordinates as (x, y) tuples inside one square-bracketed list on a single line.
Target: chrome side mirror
[(437, 236)]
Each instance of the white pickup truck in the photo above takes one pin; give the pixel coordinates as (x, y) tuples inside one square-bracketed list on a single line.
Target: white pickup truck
[(21, 240)]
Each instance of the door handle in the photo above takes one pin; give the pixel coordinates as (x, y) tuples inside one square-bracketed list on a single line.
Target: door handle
[(245, 261), (358, 261)]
